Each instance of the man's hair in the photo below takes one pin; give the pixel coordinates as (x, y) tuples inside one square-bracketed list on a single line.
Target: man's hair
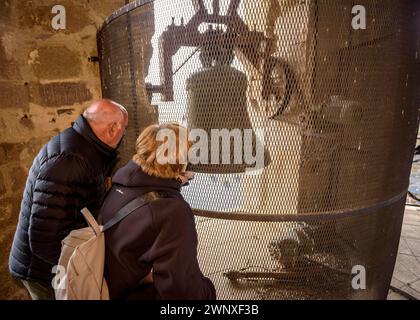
[(147, 148)]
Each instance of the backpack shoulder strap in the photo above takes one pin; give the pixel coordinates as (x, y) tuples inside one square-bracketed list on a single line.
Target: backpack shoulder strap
[(91, 221), (132, 206)]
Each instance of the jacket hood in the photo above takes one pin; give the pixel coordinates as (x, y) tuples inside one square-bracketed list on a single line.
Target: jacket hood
[(82, 127), (131, 175)]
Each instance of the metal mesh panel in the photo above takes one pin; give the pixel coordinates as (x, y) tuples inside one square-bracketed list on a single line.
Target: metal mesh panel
[(333, 108)]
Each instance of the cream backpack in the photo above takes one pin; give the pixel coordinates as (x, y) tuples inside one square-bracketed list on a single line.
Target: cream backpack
[(80, 269)]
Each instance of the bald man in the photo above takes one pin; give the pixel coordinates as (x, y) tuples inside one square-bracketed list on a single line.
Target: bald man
[(68, 174)]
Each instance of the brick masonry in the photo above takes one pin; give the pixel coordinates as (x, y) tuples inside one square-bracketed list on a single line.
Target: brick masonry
[(46, 80)]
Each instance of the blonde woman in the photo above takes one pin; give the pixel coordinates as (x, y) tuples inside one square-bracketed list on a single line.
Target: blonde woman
[(158, 241)]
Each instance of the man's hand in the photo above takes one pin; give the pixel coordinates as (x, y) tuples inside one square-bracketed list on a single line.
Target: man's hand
[(148, 279), (108, 184)]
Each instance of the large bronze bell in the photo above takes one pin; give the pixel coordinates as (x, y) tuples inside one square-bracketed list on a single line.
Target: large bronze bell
[(217, 100)]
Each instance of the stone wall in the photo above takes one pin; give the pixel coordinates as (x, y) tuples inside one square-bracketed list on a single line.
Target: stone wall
[(46, 80)]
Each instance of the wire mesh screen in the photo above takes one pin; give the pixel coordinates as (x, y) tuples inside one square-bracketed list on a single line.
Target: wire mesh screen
[(325, 99)]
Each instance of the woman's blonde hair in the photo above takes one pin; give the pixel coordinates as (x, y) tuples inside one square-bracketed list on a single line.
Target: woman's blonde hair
[(148, 147)]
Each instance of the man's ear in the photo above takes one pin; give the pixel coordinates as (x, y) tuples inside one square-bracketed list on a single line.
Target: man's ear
[(113, 130)]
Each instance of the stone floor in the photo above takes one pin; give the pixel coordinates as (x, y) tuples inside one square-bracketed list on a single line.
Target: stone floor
[(407, 269), (406, 277)]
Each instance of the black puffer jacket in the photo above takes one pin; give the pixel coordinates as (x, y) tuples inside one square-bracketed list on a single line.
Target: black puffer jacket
[(68, 174), (160, 235)]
